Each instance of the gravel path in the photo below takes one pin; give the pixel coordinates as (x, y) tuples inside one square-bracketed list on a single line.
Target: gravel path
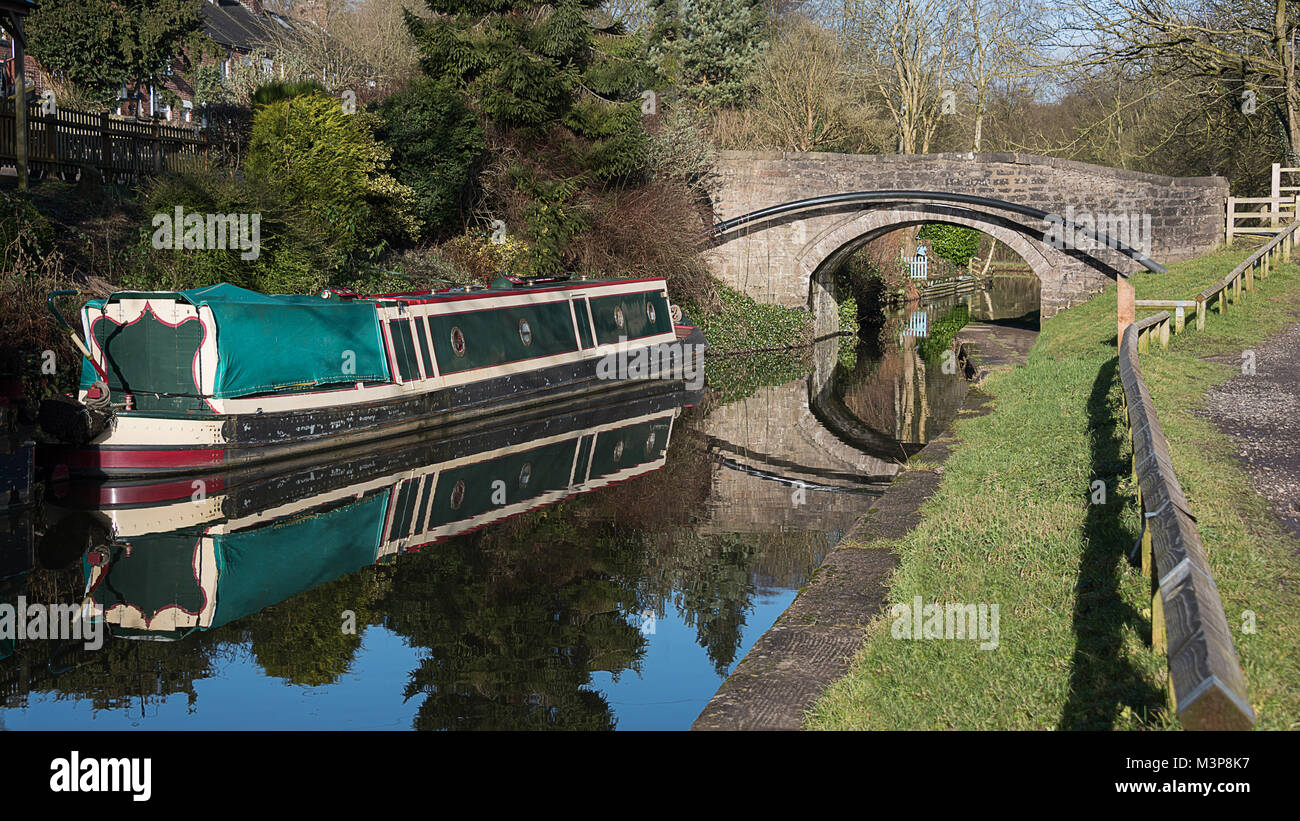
[(1261, 412)]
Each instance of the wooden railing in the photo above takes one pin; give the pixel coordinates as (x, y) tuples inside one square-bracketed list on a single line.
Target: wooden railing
[(1188, 623), (1265, 215), (68, 139), (1240, 280)]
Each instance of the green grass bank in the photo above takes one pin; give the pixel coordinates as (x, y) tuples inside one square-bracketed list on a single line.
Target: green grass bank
[(1012, 524)]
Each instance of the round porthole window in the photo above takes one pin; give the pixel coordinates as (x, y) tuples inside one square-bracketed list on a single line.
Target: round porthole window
[(457, 342), (650, 443), (650, 312), (619, 319), (457, 494), (525, 473), (525, 332), (618, 451)]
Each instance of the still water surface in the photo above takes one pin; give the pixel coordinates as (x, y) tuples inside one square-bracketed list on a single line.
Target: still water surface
[(602, 567)]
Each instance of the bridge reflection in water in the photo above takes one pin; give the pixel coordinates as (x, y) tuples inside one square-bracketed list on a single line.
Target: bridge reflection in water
[(593, 567)]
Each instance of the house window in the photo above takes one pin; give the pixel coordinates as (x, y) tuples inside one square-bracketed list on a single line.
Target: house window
[(267, 65)]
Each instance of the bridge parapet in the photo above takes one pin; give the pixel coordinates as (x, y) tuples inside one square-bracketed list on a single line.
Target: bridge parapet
[(781, 261)]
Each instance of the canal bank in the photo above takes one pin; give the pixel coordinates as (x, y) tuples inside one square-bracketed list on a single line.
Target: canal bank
[(814, 640), (1017, 522)]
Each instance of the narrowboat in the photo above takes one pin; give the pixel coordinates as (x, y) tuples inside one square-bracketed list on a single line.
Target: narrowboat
[(208, 379), (169, 562)]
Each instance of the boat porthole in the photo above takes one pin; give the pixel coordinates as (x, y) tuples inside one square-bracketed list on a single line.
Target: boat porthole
[(650, 443), (618, 317), (457, 342), (618, 451), (525, 332), (525, 473), (650, 312), (457, 494)]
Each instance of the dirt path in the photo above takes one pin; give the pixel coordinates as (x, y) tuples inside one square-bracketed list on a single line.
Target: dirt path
[(1261, 412)]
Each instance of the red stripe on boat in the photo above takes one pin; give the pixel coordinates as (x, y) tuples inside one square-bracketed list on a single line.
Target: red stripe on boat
[(113, 495), (103, 458)]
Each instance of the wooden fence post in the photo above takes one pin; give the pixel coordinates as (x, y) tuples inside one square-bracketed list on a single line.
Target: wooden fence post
[(157, 149), (1231, 209), (105, 147), (52, 136), (20, 111), (1126, 310)]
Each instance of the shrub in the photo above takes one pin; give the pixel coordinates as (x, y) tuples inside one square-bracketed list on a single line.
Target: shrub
[(482, 260), (23, 230), (327, 171), (278, 90), (955, 243), (437, 145)]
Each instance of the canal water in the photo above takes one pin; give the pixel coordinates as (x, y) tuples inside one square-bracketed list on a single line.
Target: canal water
[(599, 567)]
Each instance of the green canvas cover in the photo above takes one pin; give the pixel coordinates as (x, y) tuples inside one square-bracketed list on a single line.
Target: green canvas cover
[(264, 343), (255, 568), (270, 564)]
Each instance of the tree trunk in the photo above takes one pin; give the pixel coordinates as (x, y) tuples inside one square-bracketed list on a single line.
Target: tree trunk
[(1286, 56)]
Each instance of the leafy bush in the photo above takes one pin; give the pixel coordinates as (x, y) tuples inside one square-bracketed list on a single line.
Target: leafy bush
[(23, 230), (437, 146), (483, 260), (741, 324), (289, 261), (956, 243), (329, 174), (274, 92)]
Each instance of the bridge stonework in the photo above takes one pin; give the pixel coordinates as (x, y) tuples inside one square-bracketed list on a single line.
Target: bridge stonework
[(788, 262)]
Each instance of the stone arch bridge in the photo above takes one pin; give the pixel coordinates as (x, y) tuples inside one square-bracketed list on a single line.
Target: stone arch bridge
[(789, 259)]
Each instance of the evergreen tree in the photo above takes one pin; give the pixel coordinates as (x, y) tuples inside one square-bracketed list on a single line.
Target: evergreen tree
[(437, 146), (101, 44), (709, 49), (557, 87)]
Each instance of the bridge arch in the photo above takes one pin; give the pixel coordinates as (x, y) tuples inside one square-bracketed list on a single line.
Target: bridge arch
[(823, 255), (777, 258)]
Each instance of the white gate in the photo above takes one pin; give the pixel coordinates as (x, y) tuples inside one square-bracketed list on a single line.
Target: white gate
[(919, 265)]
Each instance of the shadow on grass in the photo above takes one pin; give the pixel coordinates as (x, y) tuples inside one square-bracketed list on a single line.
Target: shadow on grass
[(1102, 680)]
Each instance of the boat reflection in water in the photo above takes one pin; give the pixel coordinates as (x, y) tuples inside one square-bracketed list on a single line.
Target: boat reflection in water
[(197, 554)]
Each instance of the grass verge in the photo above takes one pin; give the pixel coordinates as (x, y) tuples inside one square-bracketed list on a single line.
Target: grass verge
[(1012, 524)]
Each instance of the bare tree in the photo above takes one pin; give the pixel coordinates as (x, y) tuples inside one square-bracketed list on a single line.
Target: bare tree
[(906, 50), (998, 45), (633, 14), (805, 100), (1246, 46)]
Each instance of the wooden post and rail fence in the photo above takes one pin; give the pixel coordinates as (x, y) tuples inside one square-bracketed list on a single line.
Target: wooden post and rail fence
[(1189, 625), (1264, 215), (65, 140)]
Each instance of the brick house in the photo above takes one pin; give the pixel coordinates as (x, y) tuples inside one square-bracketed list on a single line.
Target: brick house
[(241, 27)]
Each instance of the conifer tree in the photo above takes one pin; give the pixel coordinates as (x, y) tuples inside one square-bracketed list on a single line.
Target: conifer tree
[(559, 89), (709, 49)]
